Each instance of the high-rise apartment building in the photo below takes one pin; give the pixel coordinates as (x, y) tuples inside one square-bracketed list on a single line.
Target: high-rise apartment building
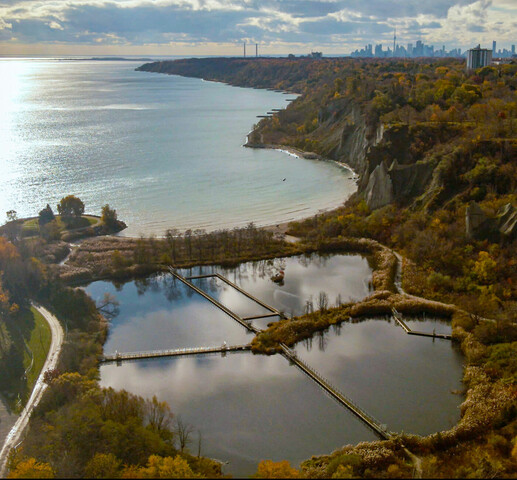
[(478, 57)]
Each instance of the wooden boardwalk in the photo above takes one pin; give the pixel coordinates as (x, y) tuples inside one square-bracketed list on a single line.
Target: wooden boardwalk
[(375, 425), (274, 311), (398, 318), (178, 352), (228, 312)]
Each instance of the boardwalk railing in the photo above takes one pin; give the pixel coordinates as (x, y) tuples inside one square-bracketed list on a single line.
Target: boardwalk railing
[(274, 311), (398, 318), (118, 357), (211, 299), (374, 424)]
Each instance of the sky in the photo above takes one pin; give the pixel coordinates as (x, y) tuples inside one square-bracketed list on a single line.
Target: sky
[(220, 27)]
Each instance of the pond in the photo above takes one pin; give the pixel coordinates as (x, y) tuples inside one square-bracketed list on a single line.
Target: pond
[(250, 408)]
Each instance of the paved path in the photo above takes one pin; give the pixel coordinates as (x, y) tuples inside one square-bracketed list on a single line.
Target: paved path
[(15, 435)]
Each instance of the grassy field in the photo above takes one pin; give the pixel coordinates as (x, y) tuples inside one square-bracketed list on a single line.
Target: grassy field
[(37, 336), (31, 226)]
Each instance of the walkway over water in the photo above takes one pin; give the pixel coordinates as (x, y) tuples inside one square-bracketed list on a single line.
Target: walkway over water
[(274, 311), (374, 424), (120, 357), (398, 318)]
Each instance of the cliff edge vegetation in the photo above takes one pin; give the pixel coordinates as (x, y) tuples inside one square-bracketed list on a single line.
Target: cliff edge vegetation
[(435, 148)]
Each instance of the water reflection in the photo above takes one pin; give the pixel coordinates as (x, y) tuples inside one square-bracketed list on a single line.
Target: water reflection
[(342, 278), (405, 381), (161, 312), (248, 407)]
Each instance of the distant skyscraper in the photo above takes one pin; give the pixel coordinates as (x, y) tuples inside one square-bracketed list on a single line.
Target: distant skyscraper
[(494, 45), (478, 57), (513, 49)]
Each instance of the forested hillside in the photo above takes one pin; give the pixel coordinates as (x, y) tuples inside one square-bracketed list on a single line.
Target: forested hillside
[(436, 150), (428, 140)]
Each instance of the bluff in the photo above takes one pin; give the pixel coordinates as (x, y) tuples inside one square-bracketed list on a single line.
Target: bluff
[(401, 125)]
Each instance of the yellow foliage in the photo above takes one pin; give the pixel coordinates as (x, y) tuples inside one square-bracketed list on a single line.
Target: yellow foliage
[(270, 469), (344, 471), (161, 467), (485, 268), (102, 466), (31, 468)]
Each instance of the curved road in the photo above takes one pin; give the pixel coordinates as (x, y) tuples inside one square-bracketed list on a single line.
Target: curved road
[(15, 435)]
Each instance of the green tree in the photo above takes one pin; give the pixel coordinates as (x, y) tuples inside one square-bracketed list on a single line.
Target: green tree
[(70, 206), (109, 216), (46, 215)]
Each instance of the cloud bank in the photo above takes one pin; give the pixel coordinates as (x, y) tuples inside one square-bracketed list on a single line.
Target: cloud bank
[(279, 26)]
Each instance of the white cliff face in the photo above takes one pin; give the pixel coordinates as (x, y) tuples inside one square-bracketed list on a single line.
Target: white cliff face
[(379, 191)]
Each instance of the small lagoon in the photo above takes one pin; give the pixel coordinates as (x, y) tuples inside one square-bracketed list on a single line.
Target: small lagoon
[(252, 407)]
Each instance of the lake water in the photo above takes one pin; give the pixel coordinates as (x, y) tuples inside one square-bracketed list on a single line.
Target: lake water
[(165, 151), (249, 407)]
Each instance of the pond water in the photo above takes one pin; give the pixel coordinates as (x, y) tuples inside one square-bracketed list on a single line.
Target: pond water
[(161, 312), (247, 407), (250, 408), (405, 381)]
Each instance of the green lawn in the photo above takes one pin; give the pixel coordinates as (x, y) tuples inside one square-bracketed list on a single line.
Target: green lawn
[(37, 335), (31, 226)]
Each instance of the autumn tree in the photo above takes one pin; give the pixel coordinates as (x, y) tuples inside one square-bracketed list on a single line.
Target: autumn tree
[(109, 216), (12, 226), (270, 469), (103, 465), (31, 468), (70, 206)]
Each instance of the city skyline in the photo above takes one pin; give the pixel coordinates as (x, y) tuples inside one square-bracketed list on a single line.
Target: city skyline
[(220, 27), (420, 49)]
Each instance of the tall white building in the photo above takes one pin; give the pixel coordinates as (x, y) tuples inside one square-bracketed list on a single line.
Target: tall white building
[(478, 57)]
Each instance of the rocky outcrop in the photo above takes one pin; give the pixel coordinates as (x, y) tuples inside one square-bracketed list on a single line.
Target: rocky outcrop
[(480, 226), (379, 191), (507, 221)]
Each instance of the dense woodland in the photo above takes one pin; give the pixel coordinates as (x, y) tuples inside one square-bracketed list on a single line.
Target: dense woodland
[(458, 129)]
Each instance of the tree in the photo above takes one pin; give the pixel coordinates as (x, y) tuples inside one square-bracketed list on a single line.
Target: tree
[(183, 432), (70, 206), (161, 467), (109, 216), (323, 301), (46, 215), (159, 417), (31, 468), (12, 226), (102, 465), (109, 306), (270, 469)]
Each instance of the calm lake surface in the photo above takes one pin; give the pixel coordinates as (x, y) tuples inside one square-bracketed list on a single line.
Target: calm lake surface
[(250, 407), (165, 151)]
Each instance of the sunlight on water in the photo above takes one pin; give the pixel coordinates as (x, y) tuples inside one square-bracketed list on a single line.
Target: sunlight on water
[(165, 151)]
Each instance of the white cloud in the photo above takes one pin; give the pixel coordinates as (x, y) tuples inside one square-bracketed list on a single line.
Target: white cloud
[(339, 25)]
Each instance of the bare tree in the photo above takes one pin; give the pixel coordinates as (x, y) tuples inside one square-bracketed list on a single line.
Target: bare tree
[(108, 306), (323, 301), (309, 306), (339, 301), (183, 432), (199, 442)]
